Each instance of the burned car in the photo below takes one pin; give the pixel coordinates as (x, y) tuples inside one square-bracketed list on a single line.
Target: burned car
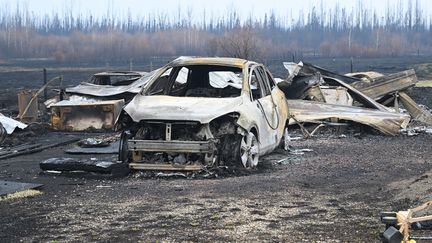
[(115, 78), (112, 85), (203, 112)]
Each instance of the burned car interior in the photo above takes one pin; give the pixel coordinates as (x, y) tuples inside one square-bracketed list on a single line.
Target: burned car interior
[(199, 81)]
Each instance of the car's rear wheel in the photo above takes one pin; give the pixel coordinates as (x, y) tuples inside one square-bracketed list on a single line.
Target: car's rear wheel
[(249, 150)]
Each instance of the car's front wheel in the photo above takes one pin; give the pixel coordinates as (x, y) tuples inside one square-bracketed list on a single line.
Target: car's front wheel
[(124, 154), (249, 150)]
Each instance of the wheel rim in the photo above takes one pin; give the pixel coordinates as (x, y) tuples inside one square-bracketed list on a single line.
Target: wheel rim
[(249, 150)]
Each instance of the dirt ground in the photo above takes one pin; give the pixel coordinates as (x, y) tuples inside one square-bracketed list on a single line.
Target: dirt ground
[(333, 194)]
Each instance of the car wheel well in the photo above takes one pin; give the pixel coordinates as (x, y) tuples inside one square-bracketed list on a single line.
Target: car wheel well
[(255, 132)]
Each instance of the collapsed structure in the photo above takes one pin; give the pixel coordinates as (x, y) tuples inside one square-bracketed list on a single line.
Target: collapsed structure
[(316, 95)]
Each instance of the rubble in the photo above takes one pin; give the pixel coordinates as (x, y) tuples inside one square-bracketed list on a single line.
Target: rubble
[(357, 97), (388, 123), (377, 87), (416, 130), (417, 112)]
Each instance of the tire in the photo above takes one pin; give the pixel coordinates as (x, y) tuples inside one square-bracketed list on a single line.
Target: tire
[(248, 151), (124, 153), (3, 133)]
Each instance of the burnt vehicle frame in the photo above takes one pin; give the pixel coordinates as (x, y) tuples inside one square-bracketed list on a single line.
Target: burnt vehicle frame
[(203, 112)]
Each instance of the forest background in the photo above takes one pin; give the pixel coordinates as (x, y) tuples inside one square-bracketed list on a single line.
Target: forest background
[(321, 31)]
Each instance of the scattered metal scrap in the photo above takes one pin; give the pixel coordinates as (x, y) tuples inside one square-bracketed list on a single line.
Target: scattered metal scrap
[(359, 97), (392, 88), (417, 113), (88, 165), (389, 123), (413, 131), (385, 85), (24, 149), (111, 148)]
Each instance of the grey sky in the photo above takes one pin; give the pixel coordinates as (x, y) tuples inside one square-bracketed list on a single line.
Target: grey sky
[(215, 8)]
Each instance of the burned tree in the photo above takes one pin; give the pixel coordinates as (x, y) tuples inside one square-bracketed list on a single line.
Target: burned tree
[(240, 43)]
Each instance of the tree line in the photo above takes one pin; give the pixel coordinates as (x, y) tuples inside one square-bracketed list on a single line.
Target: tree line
[(403, 29)]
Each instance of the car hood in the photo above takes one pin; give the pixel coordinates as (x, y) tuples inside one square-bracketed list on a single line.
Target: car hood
[(162, 107)]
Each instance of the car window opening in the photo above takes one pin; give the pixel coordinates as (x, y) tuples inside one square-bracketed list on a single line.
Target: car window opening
[(199, 81)]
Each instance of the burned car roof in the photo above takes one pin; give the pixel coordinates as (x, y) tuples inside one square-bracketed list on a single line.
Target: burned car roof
[(120, 73), (138, 80)]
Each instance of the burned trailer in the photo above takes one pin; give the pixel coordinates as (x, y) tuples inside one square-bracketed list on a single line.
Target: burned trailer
[(96, 103), (203, 112), (80, 114)]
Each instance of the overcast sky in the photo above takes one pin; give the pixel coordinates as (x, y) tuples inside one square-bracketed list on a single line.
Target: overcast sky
[(215, 8)]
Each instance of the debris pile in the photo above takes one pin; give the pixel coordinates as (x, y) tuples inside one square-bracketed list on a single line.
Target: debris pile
[(318, 96)]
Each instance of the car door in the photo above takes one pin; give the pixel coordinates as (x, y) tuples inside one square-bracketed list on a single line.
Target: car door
[(266, 109), (278, 97)]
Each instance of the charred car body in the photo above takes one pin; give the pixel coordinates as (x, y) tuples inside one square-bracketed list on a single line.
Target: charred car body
[(201, 112), (112, 85)]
